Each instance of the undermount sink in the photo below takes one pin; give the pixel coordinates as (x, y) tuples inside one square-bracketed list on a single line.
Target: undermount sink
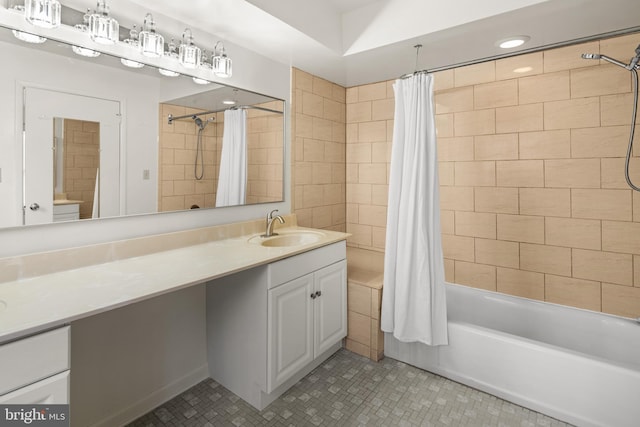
[(286, 239)]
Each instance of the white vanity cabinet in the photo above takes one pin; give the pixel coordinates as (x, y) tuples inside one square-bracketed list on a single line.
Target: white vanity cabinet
[(307, 316), (35, 370), (269, 326)]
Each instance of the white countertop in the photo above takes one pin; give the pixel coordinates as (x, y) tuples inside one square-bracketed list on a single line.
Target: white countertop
[(35, 304)]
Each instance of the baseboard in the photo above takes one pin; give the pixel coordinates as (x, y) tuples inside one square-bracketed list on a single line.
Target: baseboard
[(155, 399)]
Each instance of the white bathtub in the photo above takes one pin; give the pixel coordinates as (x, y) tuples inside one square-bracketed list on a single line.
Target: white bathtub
[(575, 365)]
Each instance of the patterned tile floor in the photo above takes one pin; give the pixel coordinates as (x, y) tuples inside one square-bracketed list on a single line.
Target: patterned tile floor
[(349, 390)]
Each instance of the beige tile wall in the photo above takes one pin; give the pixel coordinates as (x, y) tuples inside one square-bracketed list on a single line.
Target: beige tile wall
[(531, 155), (177, 187), (81, 161), (318, 172)]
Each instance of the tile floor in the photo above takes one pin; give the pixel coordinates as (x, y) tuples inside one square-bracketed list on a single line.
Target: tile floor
[(350, 390)]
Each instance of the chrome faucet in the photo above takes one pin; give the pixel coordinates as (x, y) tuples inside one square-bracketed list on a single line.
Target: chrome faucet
[(270, 220)]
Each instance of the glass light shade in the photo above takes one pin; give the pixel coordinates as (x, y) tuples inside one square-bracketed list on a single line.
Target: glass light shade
[(189, 55), (222, 66), (83, 51), (28, 37), (103, 28), (43, 13), (168, 73), (151, 43), (201, 81), (131, 64)]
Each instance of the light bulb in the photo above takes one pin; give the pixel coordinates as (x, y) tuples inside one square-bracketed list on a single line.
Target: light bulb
[(28, 37), (83, 51), (168, 73)]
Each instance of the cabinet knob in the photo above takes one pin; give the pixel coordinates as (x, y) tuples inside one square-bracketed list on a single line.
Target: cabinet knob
[(313, 296), (34, 206), (318, 293)]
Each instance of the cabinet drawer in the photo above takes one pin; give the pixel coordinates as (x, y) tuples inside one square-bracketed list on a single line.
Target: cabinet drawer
[(296, 266), (31, 359), (53, 390)]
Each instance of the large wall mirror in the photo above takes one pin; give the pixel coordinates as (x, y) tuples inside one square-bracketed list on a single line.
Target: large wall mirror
[(85, 138)]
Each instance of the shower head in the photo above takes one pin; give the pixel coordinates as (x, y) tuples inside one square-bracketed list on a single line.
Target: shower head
[(608, 59), (201, 123)]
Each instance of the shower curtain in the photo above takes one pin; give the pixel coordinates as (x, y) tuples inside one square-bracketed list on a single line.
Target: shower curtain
[(232, 179), (413, 300)]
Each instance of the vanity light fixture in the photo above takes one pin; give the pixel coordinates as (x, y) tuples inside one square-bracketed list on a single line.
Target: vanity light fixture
[(132, 41), (168, 73), (189, 54), (151, 43), (201, 81), (43, 13), (84, 27), (512, 42), (170, 53), (102, 27), (28, 37), (83, 51), (221, 62)]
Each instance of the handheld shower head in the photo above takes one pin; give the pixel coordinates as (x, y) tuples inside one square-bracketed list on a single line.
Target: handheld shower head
[(201, 125)]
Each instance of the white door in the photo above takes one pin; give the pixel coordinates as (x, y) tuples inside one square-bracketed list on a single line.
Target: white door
[(41, 107), (330, 306), (290, 335)]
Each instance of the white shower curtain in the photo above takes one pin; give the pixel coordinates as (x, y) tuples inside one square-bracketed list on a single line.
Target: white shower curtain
[(232, 179), (413, 300)]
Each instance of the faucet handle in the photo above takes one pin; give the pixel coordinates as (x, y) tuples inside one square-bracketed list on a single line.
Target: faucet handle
[(270, 216)]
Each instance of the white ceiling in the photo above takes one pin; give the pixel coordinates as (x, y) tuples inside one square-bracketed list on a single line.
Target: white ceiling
[(352, 42)]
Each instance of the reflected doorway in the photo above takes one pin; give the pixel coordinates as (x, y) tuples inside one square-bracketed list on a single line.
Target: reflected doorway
[(71, 157), (76, 161)]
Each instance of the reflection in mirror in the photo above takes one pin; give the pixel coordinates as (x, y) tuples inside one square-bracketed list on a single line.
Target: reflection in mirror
[(220, 158), (76, 160), (152, 165)]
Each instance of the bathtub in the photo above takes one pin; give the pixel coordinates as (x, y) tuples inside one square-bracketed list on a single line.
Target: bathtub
[(575, 365)]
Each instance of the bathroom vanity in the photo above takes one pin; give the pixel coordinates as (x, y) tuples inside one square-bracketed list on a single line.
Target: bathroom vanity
[(275, 309)]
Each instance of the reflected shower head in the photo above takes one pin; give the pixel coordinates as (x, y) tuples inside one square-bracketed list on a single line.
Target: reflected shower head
[(606, 58), (201, 123)]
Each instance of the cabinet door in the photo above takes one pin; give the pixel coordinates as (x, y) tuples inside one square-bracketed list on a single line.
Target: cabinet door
[(330, 306), (290, 343), (52, 390)]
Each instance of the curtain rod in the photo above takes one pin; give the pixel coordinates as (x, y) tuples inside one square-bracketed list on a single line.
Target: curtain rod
[(171, 118), (523, 52)]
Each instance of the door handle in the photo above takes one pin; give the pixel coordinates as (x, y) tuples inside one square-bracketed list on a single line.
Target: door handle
[(34, 206)]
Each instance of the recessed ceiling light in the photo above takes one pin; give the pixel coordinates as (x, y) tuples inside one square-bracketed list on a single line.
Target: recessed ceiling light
[(28, 37), (512, 42), (229, 102), (201, 81)]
